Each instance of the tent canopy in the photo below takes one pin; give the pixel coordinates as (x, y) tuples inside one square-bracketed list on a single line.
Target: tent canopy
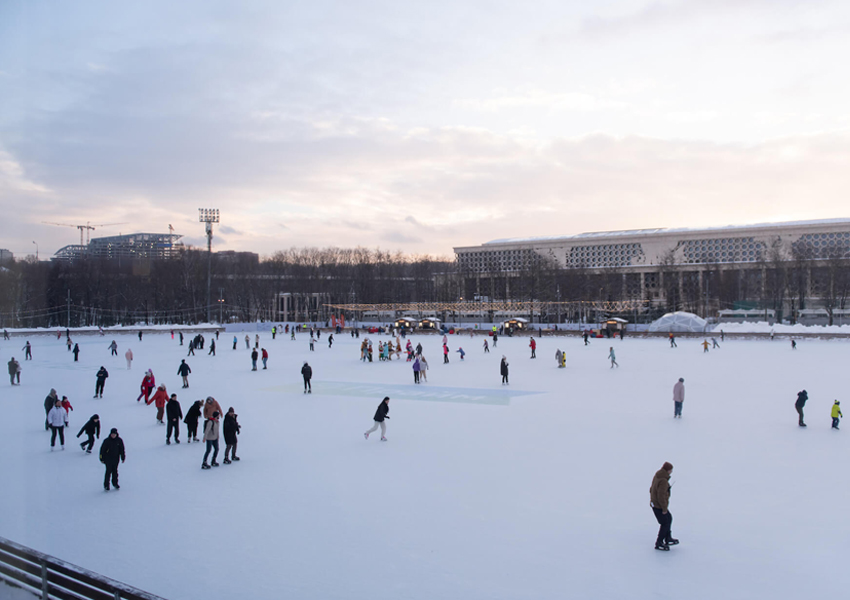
[(679, 322)]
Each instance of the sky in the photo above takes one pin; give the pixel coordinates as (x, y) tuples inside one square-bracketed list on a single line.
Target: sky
[(417, 127)]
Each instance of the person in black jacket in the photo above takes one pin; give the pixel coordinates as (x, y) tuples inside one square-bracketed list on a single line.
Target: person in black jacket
[(91, 429), (801, 402), (49, 401), (380, 415), (183, 370), (191, 420), (76, 352), (231, 429), (173, 414), (254, 356), (307, 374), (102, 374), (111, 453), (503, 369)]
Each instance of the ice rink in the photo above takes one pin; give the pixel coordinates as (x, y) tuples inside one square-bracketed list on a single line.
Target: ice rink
[(534, 490)]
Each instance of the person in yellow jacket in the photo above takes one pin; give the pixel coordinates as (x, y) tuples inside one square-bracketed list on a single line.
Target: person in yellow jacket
[(836, 414)]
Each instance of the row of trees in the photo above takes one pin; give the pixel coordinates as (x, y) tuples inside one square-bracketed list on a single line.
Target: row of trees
[(102, 292)]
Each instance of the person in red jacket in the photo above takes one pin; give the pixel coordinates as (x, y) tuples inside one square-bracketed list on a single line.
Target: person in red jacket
[(159, 398), (66, 404), (148, 384), (533, 346)]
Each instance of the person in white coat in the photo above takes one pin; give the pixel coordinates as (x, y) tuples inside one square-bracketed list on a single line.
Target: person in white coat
[(678, 398), (57, 419)]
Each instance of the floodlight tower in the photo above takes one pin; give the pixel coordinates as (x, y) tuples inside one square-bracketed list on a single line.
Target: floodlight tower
[(208, 216)]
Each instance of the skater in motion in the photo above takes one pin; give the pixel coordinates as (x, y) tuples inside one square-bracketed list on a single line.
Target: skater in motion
[(704, 345), (307, 374), (533, 345), (76, 352), (486, 347), (231, 430), (193, 415), (714, 343), (673, 343), (57, 418), (799, 404), (503, 369), (659, 500), (91, 429), (212, 348), (111, 453), (380, 416), (27, 351), (100, 382), (211, 429), (148, 384), (173, 413), (129, 356), (678, 398), (836, 414), (584, 336), (183, 370), (113, 347), (159, 399), (793, 344), (51, 399), (613, 357)]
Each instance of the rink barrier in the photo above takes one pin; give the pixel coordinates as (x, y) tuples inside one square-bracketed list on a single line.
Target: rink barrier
[(51, 578)]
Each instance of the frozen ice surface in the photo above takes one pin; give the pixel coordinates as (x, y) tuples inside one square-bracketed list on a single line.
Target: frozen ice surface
[(534, 490)]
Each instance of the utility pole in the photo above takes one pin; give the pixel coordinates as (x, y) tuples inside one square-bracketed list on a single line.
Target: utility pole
[(69, 309), (208, 216), (220, 304)]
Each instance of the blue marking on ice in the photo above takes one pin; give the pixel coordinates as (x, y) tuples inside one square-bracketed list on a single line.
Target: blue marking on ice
[(498, 396)]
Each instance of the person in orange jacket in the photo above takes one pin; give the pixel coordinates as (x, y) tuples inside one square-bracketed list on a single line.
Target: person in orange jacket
[(159, 398)]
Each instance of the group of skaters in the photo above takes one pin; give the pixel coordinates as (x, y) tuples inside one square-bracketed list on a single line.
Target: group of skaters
[(803, 397)]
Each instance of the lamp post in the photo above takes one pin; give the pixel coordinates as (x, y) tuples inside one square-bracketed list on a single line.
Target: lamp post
[(36, 250), (208, 216)]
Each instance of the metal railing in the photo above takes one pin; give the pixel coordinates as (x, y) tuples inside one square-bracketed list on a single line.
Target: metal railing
[(54, 579)]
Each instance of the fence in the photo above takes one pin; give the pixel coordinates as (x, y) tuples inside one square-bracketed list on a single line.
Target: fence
[(55, 579)]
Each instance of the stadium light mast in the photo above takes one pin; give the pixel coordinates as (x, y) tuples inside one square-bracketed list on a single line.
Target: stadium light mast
[(208, 216)]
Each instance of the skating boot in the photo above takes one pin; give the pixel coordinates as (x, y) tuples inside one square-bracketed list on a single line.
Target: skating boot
[(214, 464), (383, 439), (672, 542), (226, 461), (366, 435), (664, 547), (167, 442), (205, 466), (236, 457)]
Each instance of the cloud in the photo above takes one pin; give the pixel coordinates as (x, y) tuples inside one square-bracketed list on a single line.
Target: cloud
[(226, 229)]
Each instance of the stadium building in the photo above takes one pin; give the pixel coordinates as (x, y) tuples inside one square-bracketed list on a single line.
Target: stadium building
[(684, 268), (130, 246)]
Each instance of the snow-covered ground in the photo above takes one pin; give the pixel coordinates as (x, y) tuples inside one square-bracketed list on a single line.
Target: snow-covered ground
[(536, 490)]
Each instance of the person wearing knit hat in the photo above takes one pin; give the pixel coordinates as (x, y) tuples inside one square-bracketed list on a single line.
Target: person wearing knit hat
[(836, 414), (678, 398), (659, 500), (111, 453)]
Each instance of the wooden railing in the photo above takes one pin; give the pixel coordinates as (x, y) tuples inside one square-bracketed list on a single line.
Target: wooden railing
[(52, 578)]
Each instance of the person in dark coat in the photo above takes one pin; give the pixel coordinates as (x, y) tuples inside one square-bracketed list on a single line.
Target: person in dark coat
[(91, 429), (173, 414), (799, 404), (212, 348), (380, 416), (254, 356), (191, 348), (76, 352), (183, 370), (307, 374), (231, 430), (49, 401), (111, 453), (191, 420), (102, 374), (503, 369)]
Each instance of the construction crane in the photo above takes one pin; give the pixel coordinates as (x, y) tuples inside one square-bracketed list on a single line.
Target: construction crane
[(87, 228)]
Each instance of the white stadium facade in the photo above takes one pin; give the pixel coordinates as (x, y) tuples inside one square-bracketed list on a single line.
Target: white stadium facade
[(788, 265)]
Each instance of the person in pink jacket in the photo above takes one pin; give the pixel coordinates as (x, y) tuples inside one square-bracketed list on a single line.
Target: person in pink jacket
[(678, 398)]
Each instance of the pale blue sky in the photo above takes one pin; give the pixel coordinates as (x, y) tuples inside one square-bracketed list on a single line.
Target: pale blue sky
[(418, 126)]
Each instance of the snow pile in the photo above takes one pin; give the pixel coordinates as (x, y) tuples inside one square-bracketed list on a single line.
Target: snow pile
[(679, 322)]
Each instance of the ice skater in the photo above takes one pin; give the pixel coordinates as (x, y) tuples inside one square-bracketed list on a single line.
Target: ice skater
[(173, 413), (231, 430), (678, 398), (486, 347), (111, 453), (461, 352), (91, 429), (113, 347), (704, 345), (533, 345), (659, 500), (799, 404), (148, 385), (129, 356), (503, 369), (265, 358), (193, 415), (380, 416), (159, 399), (673, 343), (254, 356), (27, 351), (613, 357), (14, 371), (212, 348), (57, 418), (417, 368), (100, 381), (423, 369), (793, 344), (211, 429), (183, 370), (76, 352), (714, 343), (836, 414), (307, 374)]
